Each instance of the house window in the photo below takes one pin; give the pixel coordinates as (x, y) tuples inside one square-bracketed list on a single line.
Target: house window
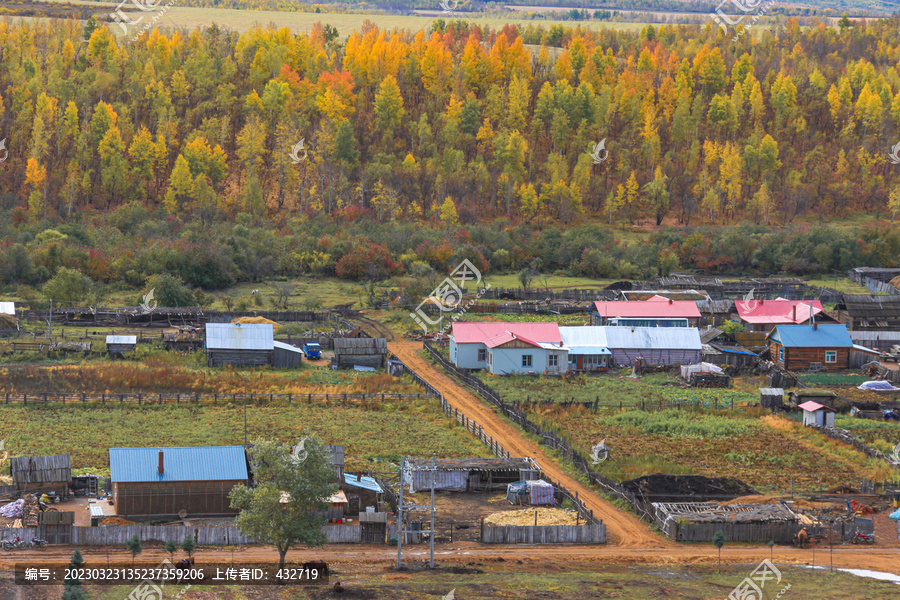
[(553, 360), (781, 353), (482, 354), (526, 360), (831, 356)]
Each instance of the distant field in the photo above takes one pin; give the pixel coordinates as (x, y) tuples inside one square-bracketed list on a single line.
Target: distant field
[(373, 434)]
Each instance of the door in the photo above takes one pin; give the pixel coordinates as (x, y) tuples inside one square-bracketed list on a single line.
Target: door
[(372, 533)]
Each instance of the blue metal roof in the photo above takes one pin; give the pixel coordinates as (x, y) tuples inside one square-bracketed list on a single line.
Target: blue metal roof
[(194, 463), (732, 351), (366, 483), (829, 335)]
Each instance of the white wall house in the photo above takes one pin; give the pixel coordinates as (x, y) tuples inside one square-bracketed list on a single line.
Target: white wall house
[(506, 348)]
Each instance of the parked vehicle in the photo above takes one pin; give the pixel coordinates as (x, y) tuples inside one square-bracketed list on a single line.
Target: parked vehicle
[(38, 543), (862, 538), (14, 543), (312, 350)]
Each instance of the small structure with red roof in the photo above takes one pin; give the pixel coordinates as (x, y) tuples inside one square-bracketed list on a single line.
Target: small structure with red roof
[(817, 415), (657, 311)]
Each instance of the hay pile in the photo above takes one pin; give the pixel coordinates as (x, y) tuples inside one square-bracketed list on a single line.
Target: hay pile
[(546, 516), (255, 321), (895, 282), (116, 521)]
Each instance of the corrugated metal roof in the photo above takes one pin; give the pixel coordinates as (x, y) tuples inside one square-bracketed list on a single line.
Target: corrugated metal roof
[(652, 309), (583, 340), (874, 336), (193, 463), (771, 391), (121, 339), (473, 333), (829, 335), (239, 336), (366, 483), (288, 347), (776, 311), (8, 308), (811, 406), (682, 338)]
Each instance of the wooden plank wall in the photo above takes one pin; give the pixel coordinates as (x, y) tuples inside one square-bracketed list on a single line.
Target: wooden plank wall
[(544, 534), (101, 536)]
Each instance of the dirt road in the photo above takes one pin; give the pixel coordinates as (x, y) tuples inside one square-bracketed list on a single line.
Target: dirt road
[(622, 529), (462, 553)]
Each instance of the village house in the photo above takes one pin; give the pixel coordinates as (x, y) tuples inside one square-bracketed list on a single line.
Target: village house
[(658, 311), (803, 347), (762, 315), (505, 348), (165, 481)]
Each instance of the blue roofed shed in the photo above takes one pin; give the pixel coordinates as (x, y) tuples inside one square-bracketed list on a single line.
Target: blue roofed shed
[(165, 481)]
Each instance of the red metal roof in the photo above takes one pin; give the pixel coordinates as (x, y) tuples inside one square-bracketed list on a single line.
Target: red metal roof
[(534, 333), (506, 337), (656, 307), (811, 406), (776, 312)]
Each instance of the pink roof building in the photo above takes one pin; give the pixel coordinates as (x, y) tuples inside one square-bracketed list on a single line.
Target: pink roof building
[(658, 311), (761, 315)]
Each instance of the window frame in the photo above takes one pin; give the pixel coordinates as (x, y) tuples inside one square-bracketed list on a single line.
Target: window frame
[(527, 361), (482, 355), (833, 354), (781, 353)]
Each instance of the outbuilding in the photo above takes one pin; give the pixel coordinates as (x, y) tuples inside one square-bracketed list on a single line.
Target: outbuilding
[(360, 352), (286, 356), (239, 344), (817, 415), (658, 311), (165, 481), (802, 347), (468, 474), (762, 315), (120, 344), (39, 474)]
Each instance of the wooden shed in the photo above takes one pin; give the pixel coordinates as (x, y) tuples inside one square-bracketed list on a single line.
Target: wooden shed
[(120, 344), (363, 352), (286, 356), (164, 481), (816, 414), (239, 344), (469, 474), (864, 312), (38, 474), (772, 398)]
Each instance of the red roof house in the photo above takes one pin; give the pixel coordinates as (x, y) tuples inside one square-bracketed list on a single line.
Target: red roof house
[(658, 311)]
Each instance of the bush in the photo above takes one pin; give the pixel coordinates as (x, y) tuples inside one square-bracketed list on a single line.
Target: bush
[(367, 262), (169, 290), (69, 287)]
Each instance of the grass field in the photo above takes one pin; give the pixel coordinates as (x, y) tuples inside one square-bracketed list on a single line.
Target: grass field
[(372, 434), (490, 580)]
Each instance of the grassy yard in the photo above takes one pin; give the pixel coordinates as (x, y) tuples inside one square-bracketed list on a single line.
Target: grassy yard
[(511, 280), (372, 433)]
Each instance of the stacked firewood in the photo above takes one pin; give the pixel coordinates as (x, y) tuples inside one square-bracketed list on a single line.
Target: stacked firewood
[(31, 511)]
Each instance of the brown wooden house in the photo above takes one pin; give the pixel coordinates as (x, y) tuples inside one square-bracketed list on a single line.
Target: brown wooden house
[(803, 347), (165, 481)]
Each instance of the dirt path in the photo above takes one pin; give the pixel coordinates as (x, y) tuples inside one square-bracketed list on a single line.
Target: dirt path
[(623, 529), (461, 553)]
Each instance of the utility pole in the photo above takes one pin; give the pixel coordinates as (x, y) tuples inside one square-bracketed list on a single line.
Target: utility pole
[(402, 509), (431, 537), (400, 516), (50, 322), (245, 412)]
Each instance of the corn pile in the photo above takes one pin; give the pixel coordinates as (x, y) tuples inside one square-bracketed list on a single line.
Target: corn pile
[(545, 516)]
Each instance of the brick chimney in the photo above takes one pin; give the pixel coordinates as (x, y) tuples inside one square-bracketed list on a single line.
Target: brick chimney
[(795, 313), (670, 301), (160, 468)]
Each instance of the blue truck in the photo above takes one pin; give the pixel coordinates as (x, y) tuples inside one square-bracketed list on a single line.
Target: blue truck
[(312, 350)]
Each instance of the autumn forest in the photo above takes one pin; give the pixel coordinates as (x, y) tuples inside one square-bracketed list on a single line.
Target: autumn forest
[(457, 127)]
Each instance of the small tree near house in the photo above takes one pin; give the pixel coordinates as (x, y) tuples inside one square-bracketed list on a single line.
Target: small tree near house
[(134, 546), (171, 547), (719, 541), (72, 587), (287, 505), (189, 545)]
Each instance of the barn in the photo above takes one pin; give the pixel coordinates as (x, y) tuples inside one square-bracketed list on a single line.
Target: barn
[(863, 312), (762, 315), (118, 345), (802, 347), (360, 352), (239, 344), (38, 474), (658, 311), (164, 481), (651, 345)]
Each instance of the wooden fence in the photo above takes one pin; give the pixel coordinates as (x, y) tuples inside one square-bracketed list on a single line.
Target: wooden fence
[(779, 532), (141, 398), (544, 534), (204, 536)]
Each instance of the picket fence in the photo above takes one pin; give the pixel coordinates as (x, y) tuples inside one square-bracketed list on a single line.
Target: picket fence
[(544, 534)]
